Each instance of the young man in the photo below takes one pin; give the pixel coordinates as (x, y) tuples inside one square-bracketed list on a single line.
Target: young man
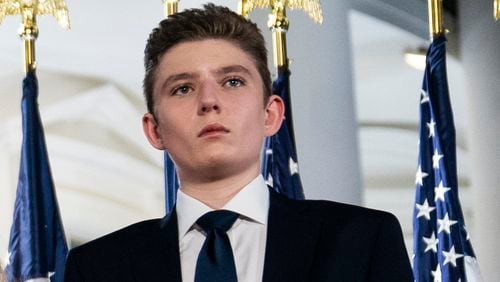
[(208, 92)]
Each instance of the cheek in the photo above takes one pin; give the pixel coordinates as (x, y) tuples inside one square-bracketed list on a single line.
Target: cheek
[(170, 116), (169, 127), (254, 126)]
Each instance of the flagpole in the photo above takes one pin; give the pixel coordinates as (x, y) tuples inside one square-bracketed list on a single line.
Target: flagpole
[(29, 34), (496, 10), (243, 8), (278, 23), (435, 18), (29, 29), (170, 7)]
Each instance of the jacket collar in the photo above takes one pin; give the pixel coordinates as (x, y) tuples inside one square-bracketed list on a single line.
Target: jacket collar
[(292, 237)]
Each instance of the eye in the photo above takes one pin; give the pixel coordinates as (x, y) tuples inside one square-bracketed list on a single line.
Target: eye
[(234, 82), (181, 90)]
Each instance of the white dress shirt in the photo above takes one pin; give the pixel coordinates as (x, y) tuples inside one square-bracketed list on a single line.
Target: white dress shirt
[(247, 235)]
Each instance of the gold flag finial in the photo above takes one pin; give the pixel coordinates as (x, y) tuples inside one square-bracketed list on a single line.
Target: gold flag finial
[(278, 21), (435, 18), (496, 9), (29, 9), (170, 7), (311, 7)]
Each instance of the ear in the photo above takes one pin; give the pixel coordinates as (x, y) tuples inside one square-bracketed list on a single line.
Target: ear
[(275, 112), (150, 127)]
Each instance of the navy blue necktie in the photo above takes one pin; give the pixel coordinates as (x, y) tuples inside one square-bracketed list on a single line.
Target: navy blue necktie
[(216, 261)]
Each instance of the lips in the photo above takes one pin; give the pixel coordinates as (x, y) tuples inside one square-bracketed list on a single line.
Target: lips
[(213, 129)]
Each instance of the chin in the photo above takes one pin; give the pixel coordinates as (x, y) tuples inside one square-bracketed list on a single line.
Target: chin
[(215, 171), (217, 164), (222, 167)]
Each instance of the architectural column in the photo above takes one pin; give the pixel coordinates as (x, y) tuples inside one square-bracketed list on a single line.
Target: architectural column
[(480, 43)]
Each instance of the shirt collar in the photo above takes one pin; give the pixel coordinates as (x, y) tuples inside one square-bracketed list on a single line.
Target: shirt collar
[(251, 202)]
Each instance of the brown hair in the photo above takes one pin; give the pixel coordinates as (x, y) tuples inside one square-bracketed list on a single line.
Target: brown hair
[(212, 22)]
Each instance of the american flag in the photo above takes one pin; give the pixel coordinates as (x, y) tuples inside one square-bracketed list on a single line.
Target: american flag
[(171, 183), (441, 244), (279, 164), (37, 246)]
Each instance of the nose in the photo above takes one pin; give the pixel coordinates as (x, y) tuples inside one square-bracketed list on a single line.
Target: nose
[(208, 99)]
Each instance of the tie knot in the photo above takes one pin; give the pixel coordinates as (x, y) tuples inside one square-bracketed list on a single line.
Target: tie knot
[(219, 219)]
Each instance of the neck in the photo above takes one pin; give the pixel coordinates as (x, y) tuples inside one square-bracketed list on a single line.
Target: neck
[(215, 193)]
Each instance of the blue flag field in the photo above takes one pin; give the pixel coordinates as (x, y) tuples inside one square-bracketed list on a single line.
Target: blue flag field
[(37, 246), (171, 183)]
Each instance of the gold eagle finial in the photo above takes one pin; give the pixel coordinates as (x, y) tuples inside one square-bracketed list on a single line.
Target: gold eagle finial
[(28, 9), (311, 7), (278, 21)]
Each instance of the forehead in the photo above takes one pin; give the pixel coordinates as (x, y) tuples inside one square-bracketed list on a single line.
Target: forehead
[(207, 54)]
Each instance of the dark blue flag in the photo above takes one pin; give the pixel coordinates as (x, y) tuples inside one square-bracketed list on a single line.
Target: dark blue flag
[(37, 246), (171, 183), (441, 245), (279, 164)]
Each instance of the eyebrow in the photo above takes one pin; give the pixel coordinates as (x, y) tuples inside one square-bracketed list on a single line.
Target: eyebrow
[(233, 68), (221, 71), (176, 77)]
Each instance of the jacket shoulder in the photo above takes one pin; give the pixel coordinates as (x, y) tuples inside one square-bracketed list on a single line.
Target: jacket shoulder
[(352, 235), (337, 212), (118, 237), (109, 257), (347, 211), (350, 220)]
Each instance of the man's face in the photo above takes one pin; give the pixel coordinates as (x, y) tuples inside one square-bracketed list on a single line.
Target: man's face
[(209, 109)]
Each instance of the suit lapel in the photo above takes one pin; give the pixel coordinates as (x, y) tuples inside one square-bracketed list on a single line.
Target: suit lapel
[(157, 256), (292, 235)]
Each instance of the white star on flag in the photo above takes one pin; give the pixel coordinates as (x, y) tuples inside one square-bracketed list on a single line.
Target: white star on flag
[(294, 167), (435, 159), (424, 97), (431, 243), (269, 151), (419, 177), (270, 180), (440, 191), (437, 274), (451, 257), (445, 224), (431, 125), (7, 260), (424, 210)]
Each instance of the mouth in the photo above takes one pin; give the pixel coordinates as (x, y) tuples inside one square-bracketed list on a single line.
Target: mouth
[(213, 129)]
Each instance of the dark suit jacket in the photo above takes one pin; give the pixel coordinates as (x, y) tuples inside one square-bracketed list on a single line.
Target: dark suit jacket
[(306, 241)]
